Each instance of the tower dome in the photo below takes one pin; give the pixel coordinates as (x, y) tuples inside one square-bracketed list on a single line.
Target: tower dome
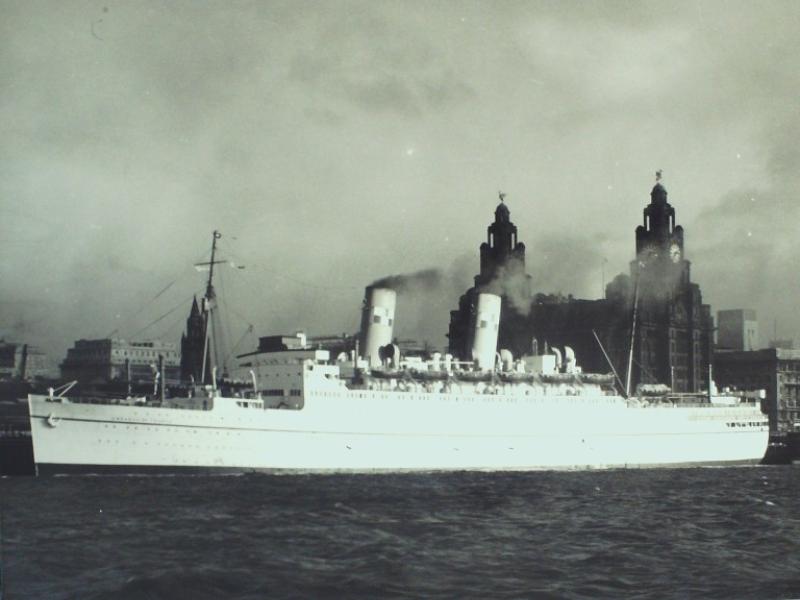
[(658, 194), (501, 213)]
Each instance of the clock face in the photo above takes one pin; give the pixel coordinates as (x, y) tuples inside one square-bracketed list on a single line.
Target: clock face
[(675, 252)]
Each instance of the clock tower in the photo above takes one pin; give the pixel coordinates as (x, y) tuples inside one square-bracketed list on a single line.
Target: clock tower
[(672, 327), (659, 244)]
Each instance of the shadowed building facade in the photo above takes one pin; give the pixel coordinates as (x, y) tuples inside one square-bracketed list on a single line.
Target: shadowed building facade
[(672, 336), (774, 370), (737, 329), (21, 361)]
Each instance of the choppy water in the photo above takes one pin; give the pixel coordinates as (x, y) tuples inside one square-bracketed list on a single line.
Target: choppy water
[(681, 533)]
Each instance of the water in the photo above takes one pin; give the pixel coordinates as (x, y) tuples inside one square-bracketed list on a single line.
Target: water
[(671, 533)]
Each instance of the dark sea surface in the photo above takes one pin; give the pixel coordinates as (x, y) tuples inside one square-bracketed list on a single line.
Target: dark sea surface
[(665, 533)]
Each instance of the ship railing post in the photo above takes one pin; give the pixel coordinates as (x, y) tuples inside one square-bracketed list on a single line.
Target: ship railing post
[(255, 383), (710, 382)]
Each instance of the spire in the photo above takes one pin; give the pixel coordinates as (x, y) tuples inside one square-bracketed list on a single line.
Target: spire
[(195, 312)]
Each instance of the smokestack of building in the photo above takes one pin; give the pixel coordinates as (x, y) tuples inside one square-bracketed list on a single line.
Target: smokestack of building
[(377, 323), (487, 323)]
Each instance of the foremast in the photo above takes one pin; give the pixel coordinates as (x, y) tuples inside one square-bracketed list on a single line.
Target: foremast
[(210, 349)]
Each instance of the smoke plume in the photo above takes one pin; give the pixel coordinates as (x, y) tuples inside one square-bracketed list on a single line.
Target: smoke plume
[(424, 280), (511, 282)]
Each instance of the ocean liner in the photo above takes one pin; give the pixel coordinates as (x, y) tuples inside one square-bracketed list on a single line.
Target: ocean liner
[(373, 409)]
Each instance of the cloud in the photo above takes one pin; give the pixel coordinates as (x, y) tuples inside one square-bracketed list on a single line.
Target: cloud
[(363, 60), (745, 247)]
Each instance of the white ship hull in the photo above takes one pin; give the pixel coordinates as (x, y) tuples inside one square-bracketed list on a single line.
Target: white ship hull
[(393, 431)]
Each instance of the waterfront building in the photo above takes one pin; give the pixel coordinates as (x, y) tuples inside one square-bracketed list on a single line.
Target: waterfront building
[(672, 337), (22, 361), (114, 359), (775, 370), (737, 329)]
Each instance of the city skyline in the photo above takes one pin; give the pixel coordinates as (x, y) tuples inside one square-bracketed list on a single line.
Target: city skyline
[(335, 144)]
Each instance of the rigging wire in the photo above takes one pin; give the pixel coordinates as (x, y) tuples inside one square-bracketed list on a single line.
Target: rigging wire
[(227, 309), (182, 274), (224, 323), (164, 316), (179, 276), (171, 330), (256, 292), (307, 284), (646, 371), (232, 351)]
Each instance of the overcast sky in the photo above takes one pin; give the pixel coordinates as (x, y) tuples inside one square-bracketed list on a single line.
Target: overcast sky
[(333, 143)]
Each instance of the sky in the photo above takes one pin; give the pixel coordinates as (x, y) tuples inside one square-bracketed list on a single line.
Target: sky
[(334, 143)]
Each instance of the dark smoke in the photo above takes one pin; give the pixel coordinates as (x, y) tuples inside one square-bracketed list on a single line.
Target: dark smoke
[(512, 282), (424, 280)]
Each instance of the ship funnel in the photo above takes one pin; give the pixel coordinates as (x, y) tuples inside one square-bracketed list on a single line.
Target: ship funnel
[(377, 322), (487, 322)]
